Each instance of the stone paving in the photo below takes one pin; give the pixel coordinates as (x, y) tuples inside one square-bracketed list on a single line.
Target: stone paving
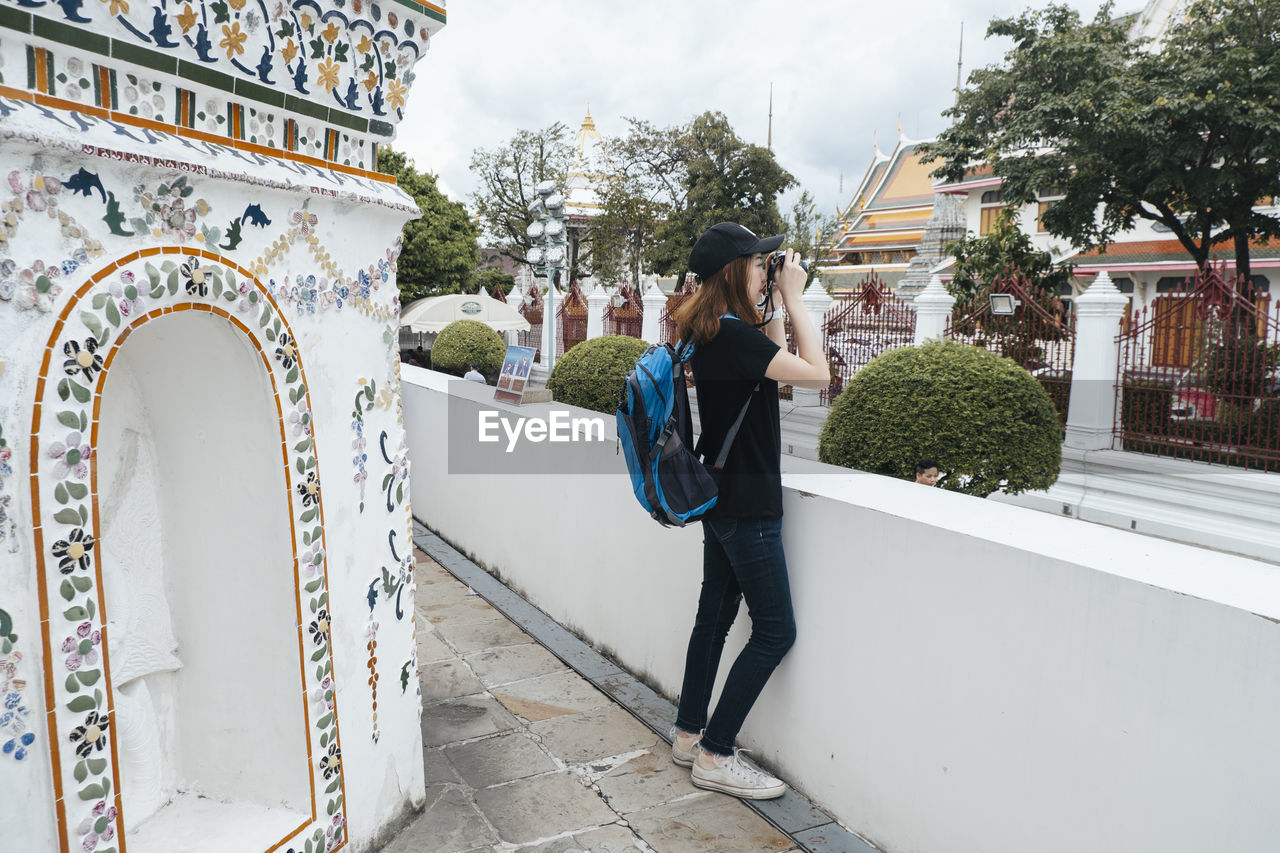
[(522, 753)]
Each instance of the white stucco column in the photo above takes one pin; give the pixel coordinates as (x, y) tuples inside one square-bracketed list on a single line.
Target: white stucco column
[(1092, 412), (597, 302), (654, 301), (816, 302), (933, 307)]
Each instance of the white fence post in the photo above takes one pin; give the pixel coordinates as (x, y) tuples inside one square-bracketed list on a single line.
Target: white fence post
[(1091, 413), (515, 298), (597, 302), (654, 301), (933, 307), (816, 302)]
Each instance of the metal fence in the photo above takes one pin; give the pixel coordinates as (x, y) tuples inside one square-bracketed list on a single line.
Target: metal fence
[(860, 325), (667, 322), (627, 317), (1018, 319), (571, 317), (1199, 375), (532, 312)]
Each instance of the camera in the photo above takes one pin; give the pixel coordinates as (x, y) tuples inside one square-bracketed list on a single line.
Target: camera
[(775, 261)]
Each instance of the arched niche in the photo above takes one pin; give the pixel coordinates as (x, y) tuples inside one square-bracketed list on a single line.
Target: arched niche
[(199, 588), (182, 570)]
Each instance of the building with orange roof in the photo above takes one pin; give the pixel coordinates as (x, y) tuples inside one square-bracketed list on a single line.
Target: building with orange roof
[(881, 229)]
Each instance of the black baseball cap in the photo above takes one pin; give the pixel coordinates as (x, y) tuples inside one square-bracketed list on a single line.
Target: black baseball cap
[(723, 242)]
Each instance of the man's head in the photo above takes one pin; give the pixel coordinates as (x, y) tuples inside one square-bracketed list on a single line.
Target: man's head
[(927, 472)]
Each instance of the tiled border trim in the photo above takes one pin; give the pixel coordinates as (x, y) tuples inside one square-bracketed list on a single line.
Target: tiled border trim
[(71, 398), (792, 814)]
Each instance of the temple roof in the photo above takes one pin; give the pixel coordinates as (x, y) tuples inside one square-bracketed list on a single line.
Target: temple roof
[(891, 204)]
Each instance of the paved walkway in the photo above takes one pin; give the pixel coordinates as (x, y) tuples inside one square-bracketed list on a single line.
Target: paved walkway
[(523, 753)]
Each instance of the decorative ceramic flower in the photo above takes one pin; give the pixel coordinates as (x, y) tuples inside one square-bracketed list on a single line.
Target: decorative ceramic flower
[(71, 456), (233, 39), (319, 627), (73, 552), (327, 76), (90, 735), (331, 764), (286, 352), (178, 220), (195, 276), (300, 419), (126, 294), (82, 359), (310, 490), (17, 746)]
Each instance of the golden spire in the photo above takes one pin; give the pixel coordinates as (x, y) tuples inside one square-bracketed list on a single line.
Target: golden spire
[(588, 123)]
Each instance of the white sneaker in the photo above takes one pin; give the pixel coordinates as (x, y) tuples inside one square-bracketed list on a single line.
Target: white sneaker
[(734, 776), (682, 757)]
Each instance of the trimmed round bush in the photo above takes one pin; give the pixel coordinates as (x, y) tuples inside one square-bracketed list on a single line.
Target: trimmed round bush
[(989, 424), (464, 342), (593, 374)]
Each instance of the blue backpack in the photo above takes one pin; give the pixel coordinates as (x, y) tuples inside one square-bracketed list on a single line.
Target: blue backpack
[(656, 431)]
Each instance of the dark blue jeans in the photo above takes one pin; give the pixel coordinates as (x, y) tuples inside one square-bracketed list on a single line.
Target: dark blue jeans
[(740, 559)]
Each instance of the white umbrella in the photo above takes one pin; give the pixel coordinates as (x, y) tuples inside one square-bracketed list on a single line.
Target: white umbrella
[(435, 312)]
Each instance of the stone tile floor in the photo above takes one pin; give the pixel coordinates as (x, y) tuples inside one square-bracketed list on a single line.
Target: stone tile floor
[(522, 753)]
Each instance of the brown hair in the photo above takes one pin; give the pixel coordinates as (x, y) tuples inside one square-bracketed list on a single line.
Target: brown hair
[(698, 319)]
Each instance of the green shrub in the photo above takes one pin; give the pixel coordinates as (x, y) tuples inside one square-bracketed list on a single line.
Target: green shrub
[(1146, 406), (988, 423), (464, 342), (593, 374)]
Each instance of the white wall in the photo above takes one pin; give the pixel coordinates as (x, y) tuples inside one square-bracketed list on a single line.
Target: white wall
[(968, 675)]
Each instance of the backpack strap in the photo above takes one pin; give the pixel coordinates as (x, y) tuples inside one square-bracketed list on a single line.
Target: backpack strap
[(737, 422), (733, 431)]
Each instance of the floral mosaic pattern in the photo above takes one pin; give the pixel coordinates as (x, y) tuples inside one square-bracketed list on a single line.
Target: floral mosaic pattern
[(7, 524), (354, 55), (175, 211), (15, 740), (108, 308)]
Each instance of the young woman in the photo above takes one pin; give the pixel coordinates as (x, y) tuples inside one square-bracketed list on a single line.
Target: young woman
[(740, 357)]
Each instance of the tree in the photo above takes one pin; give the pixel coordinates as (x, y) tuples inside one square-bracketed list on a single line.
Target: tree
[(1002, 251), (439, 252), (1185, 136), (712, 176), (489, 277), (637, 195), (810, 234), (509, 175)]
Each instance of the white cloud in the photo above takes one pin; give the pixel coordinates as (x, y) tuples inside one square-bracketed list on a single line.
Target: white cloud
[(842, 73)]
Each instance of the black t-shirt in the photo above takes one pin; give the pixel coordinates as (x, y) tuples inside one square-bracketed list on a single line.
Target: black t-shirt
[(725, 370)]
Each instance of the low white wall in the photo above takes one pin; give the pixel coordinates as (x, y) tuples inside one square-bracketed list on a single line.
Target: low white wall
[(968, 675)]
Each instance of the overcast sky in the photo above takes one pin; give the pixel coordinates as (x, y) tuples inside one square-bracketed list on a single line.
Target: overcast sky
[(842, 72)]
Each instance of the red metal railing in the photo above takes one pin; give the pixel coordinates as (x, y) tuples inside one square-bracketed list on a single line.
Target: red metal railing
[(667, 322), (571, 316), (627, 318), (532, 311), (1199, 375), (860, 325), (1039, 334)]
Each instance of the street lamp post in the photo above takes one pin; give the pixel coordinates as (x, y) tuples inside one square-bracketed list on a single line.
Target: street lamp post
[(548, 252)]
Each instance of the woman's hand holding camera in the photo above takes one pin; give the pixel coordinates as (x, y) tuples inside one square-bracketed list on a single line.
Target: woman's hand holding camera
[(790, 278)]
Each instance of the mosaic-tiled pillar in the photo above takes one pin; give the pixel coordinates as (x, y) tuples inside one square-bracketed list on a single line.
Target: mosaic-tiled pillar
[(188, 208)]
